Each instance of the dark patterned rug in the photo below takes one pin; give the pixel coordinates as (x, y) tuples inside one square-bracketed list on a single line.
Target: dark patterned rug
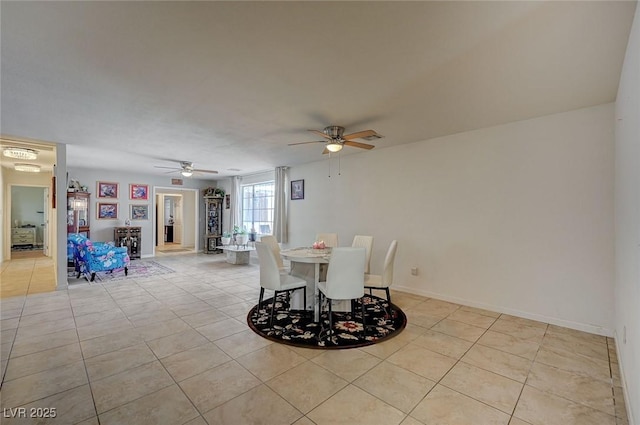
[(296, 327)]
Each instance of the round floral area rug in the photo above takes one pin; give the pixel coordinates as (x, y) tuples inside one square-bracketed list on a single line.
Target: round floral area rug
[(296, 327)]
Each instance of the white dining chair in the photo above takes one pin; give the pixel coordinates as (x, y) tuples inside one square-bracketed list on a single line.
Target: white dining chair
[(345, 279), (385, 280), (365, 242), (272, 279), (330, 239), (273, 244)]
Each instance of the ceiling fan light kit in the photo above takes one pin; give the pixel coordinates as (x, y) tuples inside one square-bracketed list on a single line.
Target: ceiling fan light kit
[(20, 153), (334, 147)]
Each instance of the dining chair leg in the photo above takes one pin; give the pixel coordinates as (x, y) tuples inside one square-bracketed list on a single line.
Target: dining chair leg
[(304, 290), (273, 307), (330, 316), (260, 299), (364, 323), (388, 295)]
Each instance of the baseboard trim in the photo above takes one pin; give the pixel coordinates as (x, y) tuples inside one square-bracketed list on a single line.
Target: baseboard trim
[(598, 330), (623, 381)]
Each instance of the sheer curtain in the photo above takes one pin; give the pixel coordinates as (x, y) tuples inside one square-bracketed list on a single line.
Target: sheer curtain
[(280, 213), (236, 203)]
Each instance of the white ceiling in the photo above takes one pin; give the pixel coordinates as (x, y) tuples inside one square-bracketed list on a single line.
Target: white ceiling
[(229, 85)]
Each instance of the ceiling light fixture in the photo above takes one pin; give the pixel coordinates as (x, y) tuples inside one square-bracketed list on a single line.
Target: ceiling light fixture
[(20, 153), (27, 168), (334, 147), (186, 173)]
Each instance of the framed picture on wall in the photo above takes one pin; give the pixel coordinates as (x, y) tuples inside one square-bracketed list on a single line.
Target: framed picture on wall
[(107, 210), (139, 212), (107, 190), (297, 189), (139, 192)]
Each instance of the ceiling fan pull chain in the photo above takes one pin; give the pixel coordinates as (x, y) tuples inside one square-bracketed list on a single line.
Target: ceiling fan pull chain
[(339, 156), (329, 164)]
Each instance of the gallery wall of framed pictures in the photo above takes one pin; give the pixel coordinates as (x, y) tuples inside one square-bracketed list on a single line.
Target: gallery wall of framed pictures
[(107, 207)]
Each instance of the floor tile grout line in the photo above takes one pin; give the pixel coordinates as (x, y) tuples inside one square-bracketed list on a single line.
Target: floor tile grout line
[(86, 371), (439, 382), (561, 396), (13, 340)]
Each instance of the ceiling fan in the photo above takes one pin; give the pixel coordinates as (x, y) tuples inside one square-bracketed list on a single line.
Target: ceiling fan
[(186, 169), (336, 139)]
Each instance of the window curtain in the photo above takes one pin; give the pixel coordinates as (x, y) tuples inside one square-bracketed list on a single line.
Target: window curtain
[(280, 211), (235, 210)]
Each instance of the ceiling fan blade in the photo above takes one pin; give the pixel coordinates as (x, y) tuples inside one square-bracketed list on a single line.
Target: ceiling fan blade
[(320, 133), (304, 143), (359, 135), (325, 151), (168, 168), (206, 171), (359, 145)]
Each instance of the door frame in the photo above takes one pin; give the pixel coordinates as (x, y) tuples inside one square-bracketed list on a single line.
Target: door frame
[(46, 235), (163, 190)]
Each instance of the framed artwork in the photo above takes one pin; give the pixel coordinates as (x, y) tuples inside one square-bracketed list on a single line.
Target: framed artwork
[(139, 192), (297, 189), (139, 212), (107, 210), (107, 190)]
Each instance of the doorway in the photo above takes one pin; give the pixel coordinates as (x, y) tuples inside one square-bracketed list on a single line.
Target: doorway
[(176, 218), (29, 221)]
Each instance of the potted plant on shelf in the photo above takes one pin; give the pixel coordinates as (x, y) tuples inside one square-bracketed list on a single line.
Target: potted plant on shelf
[(241, 235), (226, 238)]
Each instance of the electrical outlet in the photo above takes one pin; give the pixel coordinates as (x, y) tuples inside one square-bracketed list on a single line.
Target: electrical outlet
[(414, 271)]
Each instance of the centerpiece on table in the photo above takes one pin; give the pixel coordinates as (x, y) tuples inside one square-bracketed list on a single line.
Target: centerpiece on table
[(240, 235)]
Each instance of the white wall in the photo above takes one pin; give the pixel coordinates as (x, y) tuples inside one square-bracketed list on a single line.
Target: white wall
[(188, 210), (627, 222), (102, 230), (516, 218)]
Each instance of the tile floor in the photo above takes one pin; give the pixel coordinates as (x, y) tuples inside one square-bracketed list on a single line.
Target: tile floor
[(28, 272), (176, 350)]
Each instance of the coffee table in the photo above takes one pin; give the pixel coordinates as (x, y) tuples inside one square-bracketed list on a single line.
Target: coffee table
[(238, 254)]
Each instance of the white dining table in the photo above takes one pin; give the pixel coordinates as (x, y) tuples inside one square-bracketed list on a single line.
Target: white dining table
[(305, 264)]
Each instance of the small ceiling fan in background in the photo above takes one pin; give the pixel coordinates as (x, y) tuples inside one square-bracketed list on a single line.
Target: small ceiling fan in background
[(186, 169), (335, 139)]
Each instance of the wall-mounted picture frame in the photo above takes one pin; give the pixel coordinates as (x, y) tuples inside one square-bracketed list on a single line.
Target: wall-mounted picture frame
[(107, 210), (107, 190), (139, 192), (297, 189), (139, 212)]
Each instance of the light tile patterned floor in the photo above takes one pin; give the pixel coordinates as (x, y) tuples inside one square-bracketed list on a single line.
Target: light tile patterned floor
[(176, 350), (28, 272)]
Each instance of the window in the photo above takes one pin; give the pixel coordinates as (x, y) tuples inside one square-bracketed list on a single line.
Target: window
[(257, 207)]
